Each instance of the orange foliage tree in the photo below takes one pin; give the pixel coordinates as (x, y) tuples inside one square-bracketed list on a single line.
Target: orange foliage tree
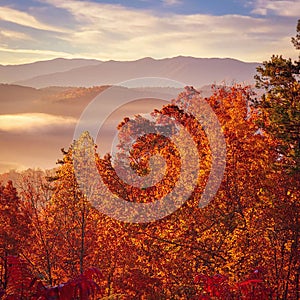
[(251, 225)]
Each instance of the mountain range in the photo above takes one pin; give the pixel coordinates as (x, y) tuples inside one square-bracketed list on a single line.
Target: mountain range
[(87, 73)]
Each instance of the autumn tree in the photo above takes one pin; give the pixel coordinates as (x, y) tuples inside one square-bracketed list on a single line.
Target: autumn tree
[(36, 192), (14, 228), (80, 236), (67, 229), (222, 237)]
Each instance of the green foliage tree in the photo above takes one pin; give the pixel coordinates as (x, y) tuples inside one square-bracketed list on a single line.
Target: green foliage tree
[(279, 117), (280, 105), (296, 39)]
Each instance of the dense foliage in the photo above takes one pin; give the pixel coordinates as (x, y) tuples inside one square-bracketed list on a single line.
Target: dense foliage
[(55, 244), (250, 225)]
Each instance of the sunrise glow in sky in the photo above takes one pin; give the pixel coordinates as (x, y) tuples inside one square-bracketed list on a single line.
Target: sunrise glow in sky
[(127, 30)]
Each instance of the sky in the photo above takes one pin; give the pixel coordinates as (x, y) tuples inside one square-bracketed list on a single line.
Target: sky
[(127, 30)]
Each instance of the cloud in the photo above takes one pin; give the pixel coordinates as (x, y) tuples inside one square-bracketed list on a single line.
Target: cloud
[(287, 8), (34, 122), (36, 51), (24, 19), (106, 31), (14, 35), (171, 2)]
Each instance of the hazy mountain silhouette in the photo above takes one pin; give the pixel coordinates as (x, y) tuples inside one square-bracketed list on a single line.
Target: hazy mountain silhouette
[(188, 70), (13, 73), (71, 101)]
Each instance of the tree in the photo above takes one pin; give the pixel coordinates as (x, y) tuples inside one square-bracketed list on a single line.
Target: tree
[(279, 107), (296, 39), (227, 236), (36, 192), (22, 284), (279, 117), (67, 226), (14, 228)]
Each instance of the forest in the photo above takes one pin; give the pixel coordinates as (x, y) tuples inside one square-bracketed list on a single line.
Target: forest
[(244, 244)]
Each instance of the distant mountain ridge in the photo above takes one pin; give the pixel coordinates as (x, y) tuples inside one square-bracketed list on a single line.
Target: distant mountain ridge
[(87, 73), (14, 73)]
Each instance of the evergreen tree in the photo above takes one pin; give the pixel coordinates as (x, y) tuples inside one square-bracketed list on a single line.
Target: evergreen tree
[(279, 107)]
